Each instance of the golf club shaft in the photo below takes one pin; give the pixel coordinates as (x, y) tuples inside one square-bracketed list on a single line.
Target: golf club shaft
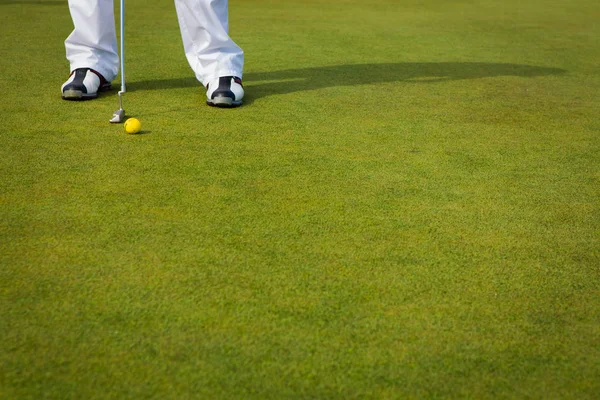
[(119, 115), (122, 6)]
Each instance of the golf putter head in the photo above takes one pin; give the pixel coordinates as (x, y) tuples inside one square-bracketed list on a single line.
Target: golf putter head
[(119, 115)]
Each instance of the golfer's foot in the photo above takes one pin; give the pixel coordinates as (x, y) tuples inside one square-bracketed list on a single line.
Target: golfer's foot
[(226, 91), (84, 84)]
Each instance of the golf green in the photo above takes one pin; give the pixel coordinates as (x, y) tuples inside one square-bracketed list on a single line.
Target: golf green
[(407, 205)]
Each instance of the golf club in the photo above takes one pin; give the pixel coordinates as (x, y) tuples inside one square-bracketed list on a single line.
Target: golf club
[(119, 115)]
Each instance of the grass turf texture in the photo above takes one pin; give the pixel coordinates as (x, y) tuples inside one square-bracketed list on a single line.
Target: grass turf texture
[(407, 206)]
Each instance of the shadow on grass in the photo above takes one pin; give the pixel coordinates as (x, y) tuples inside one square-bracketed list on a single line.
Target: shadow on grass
[(263, 84)]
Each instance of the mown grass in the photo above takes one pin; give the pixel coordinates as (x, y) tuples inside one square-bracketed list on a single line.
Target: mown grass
[(407, 206)]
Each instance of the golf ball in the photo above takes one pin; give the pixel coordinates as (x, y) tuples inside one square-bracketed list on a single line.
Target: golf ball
[(132, 125)]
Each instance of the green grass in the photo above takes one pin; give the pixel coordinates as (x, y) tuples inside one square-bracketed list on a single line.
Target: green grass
[(407, 206)]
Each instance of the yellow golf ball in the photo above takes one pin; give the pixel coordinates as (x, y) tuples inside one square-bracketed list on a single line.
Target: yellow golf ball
[(132, 125)]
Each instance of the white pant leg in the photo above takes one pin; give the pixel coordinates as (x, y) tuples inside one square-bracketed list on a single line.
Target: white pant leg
[(208, 47), (93, 42)]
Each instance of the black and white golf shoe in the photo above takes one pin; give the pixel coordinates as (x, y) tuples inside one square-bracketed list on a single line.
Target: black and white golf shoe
[(84, 84), (226, 91)]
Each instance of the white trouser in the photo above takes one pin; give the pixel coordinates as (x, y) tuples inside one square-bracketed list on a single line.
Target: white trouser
[(204, 30)]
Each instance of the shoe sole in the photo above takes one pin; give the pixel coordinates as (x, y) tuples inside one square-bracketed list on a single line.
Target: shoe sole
[(77, 95), (224, 102)]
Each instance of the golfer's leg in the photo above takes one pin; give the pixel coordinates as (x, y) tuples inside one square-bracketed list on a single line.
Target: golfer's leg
[(93, 42), (208, 47)]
